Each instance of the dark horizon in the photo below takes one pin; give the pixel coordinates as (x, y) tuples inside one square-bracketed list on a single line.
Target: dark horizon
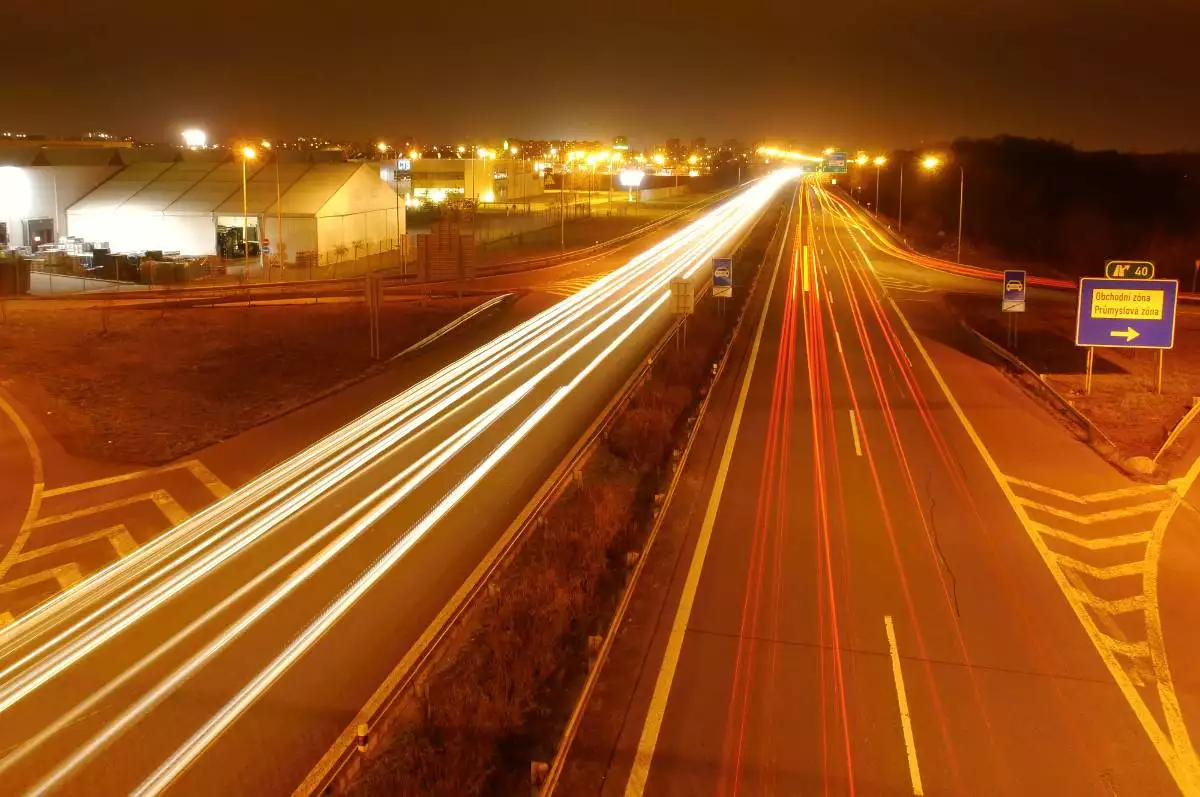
[(871, 76)]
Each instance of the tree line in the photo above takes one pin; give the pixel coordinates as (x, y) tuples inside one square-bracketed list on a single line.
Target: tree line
[(1044, 203)]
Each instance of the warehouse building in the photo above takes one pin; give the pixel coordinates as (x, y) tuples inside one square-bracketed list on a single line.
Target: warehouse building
[(485, 179), (38, 184), (194, 204)]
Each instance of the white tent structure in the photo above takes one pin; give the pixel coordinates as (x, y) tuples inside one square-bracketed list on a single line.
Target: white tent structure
[(184, 205)]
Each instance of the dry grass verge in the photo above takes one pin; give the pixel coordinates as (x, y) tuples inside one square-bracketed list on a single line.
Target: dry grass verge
[(1122, 404), (133, 384)]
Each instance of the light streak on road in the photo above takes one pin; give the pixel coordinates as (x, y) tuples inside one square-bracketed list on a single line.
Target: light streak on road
[(425, 411), (458, 402)]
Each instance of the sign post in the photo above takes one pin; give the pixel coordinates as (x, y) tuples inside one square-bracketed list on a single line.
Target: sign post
[(1012, 301), (683, 304), (723, 277), (1126, 314)]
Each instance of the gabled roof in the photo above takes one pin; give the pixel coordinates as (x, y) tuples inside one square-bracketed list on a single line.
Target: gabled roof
[(306, 195), (120, 188)]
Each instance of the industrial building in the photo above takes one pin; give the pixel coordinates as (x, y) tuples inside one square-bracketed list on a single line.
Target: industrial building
[(189, 202), (485, 179), (195, 205), (38, 184)]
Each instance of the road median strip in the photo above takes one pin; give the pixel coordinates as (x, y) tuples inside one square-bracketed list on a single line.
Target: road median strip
[(572, 544)]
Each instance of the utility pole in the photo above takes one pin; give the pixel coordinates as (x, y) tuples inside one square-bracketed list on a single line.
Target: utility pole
[(900, 212), (278, 216)]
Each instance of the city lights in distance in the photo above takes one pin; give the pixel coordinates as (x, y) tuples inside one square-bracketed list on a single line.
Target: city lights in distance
[(195, 138), (783, 154)]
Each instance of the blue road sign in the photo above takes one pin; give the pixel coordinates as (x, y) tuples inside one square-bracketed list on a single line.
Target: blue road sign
[(1133, 314), (1012, 292), (723, 276)]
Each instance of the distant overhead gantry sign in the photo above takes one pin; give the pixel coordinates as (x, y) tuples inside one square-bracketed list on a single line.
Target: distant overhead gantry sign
[(834, 163)]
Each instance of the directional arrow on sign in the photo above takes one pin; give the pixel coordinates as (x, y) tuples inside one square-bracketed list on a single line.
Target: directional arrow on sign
[(1129, 334)]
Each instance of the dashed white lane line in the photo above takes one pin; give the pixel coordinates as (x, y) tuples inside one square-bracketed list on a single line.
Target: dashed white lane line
[(910, 747)]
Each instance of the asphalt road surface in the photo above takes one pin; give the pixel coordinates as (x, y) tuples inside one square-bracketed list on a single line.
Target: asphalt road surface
[(225, 656), (872, 603)]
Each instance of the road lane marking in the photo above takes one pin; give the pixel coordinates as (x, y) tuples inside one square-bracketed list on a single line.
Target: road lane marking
[(161, 498), (1096, 544), (639, 773), (1091, 498), (1099, 517), (910, 746), (1171, 740), (118, 536), (854, 433), (65, 575)]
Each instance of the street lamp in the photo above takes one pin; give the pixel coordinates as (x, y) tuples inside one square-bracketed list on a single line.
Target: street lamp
[(928, 163), (932, 163), (248, 154), (879, 161)]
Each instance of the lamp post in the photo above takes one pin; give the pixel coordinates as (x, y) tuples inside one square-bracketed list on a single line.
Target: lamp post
[(931, 163), (879, 161), (278, 208), (248, 154)]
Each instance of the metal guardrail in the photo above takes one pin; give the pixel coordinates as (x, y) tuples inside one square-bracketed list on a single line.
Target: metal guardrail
[(572, 728), (418, 663), (410, 672), (1183, 424), (1058, 398)]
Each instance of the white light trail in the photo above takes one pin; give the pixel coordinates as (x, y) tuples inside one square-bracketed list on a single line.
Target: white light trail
[(337, 458)]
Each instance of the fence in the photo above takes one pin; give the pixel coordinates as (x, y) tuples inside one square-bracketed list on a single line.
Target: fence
[(49, 277)]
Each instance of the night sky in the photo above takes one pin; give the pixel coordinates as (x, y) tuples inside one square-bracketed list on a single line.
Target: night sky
[(871, 73)]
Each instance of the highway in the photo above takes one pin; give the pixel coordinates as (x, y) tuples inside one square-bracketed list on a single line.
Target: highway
[(225, 656), (901, 577)]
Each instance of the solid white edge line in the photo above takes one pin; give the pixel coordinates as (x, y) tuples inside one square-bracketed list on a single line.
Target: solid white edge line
[(910, 746), (640, 771)]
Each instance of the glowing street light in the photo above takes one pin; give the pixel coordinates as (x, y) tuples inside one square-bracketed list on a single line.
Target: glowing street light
[(248, 154), (382, 147), (693, 159), (861, 160), (930, 162), (195, 138), (265, 144), (413, 154)]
